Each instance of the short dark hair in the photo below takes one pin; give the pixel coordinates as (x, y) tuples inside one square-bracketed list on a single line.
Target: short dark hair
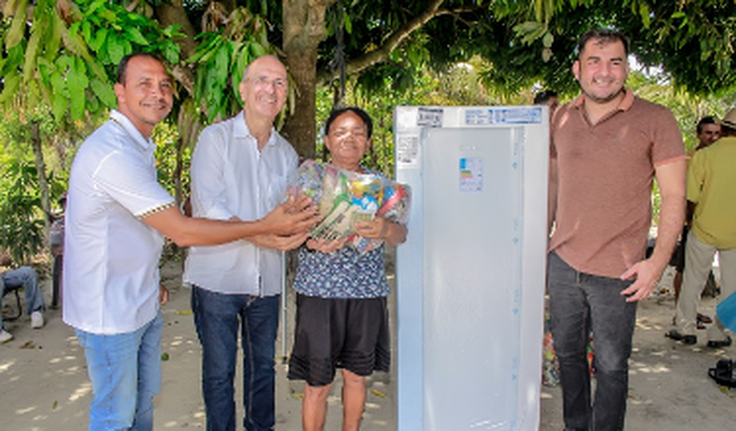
[(355, 110), (604, 36), (123, 65), (543, 96), (709, 119)]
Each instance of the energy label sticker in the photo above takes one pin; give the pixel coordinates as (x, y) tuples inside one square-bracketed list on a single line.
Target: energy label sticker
[(471, 175)]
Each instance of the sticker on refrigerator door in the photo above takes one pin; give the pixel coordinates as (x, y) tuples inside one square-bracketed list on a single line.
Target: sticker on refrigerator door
[(407, 149), (430, 117), (471, 175)]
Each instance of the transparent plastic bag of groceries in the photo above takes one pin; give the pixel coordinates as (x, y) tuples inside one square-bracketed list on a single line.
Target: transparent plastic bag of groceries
[(346, 197)]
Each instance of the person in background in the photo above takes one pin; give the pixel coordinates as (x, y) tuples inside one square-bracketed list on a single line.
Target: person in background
[(240, 169), (24, 277), (548, 98), (550, 367), (708, 130), (608, 146), (116, 219), (711, 181), (342, 319), (56, 243)]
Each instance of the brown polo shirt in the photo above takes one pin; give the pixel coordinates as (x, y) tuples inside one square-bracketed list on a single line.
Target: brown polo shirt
[(605, 176)]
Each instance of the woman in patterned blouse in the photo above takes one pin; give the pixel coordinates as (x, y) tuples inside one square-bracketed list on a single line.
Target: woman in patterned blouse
[(342, 321)]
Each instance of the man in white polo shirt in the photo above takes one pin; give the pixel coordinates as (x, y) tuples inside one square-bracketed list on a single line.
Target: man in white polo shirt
[(116, 219)]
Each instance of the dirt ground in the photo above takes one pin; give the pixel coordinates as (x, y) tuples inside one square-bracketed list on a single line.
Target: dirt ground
[(44, 385)]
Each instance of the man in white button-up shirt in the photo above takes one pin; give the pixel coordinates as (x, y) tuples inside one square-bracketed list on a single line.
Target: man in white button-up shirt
[(117, 215), (240, 169)]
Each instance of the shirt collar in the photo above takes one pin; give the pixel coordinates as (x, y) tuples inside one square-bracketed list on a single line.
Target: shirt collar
[(625, 104), (242, 131), (127, 125)]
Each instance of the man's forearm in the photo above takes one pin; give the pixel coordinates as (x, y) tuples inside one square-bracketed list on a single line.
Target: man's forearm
[(671, 219)]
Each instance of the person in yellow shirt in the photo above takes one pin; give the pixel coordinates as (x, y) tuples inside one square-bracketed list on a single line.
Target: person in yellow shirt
[(711, 180), (708, 130)]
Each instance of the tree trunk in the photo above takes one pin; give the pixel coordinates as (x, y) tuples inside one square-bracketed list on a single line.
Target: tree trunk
[(173, 13), (304, 29), (43, 185)]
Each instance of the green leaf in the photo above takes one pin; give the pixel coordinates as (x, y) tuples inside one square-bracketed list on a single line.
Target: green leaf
[(104, 92), (99, 40), (171, 53), (527, 27), (644, 13), (12, 84), (87, 31), (53, 38), (136, 36), (115, 49), (76, 105), (547, 40), (241, 62), (18, 26), (64, 63), (77, 82), (348, 23), (31, 55), (222, 63)]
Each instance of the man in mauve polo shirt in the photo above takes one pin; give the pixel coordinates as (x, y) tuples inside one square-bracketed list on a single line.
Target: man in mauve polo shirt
[(116, 219), (607, 147)]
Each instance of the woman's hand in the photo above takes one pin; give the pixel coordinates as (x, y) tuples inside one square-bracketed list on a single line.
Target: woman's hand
[(382, 229), (324, 246)]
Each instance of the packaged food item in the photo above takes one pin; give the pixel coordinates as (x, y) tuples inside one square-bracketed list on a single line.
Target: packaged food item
[(346, 197)]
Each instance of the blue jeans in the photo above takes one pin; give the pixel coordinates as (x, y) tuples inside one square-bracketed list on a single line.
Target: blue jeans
[(24, 276), (580, 302), (125, 370), (217, 318)]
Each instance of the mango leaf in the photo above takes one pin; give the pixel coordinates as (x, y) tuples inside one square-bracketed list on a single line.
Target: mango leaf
[(99, 40), (242, 60), (12, 84), (104, 92), (77, 105), (136, 36), (76, 77), (59, 97), (222, 62), (348, 24), (115, 49), (256, 49), (52, 40), (18, 26), (31, 54), (171, 53), (87, 30), (645, 14), (527, 27)]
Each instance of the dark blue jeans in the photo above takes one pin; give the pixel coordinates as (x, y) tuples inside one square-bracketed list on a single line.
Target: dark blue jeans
[(217, 318), (579, 302)]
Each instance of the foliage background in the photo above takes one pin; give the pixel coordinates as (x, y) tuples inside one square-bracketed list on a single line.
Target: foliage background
[(59, 57)]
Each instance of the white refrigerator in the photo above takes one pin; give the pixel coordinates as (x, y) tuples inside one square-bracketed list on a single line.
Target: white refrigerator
[(470, 277)]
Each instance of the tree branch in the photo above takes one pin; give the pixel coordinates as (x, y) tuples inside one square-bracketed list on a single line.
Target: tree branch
[(171, 14), (382, 53)]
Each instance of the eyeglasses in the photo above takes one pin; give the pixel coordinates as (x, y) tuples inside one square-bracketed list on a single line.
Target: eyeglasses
[(277, 83)]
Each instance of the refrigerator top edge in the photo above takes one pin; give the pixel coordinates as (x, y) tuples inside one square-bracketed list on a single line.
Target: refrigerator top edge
[(413, 117)]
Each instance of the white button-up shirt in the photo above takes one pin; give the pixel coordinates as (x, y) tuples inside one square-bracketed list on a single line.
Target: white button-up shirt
[(232, 178), (111, 278)]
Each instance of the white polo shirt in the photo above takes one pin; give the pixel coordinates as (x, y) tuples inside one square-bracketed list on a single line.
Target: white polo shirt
[(111, 279), (231, 177)]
